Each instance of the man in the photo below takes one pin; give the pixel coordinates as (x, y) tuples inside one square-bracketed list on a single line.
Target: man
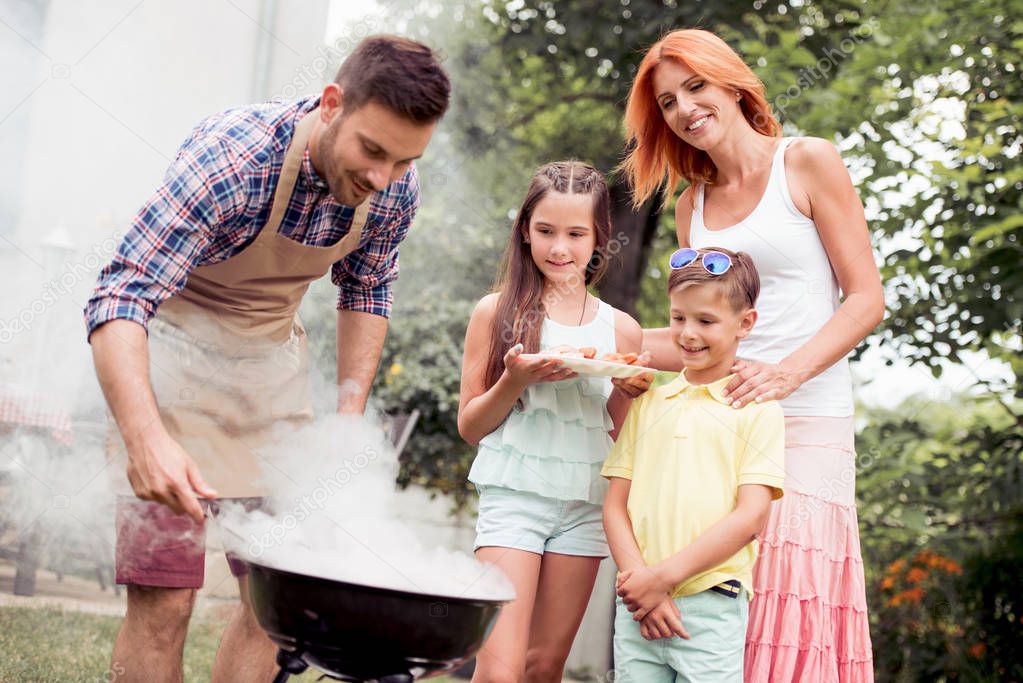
[(259, 202)]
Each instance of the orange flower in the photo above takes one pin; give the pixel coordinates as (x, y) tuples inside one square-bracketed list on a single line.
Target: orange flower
[(896, 566), (952, 568), (916, 575), (887, 582), (910, 596), (977, 650)]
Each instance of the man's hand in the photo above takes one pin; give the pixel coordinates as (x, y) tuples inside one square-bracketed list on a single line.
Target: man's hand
[(160, 470), (663, 621), (642, 589)]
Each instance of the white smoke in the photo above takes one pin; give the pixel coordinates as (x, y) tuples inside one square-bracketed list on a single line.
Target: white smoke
[(332, 515)]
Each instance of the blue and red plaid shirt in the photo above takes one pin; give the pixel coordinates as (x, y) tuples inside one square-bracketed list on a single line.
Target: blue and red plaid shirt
[(215, 198)]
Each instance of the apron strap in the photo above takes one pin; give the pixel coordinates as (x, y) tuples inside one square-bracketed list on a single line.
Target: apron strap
[(286, 185)]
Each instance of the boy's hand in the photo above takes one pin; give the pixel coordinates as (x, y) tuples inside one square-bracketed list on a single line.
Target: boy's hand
[(642, 589), (663, 621), (634, 386)]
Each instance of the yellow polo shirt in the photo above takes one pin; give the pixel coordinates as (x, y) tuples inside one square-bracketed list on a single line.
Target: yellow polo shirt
[(687, 453)]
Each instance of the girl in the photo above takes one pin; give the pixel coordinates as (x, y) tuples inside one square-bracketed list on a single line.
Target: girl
[(698, 113), (542, 431)]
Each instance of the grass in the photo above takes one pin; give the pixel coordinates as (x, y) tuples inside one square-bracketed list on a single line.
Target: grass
[(47, 645)]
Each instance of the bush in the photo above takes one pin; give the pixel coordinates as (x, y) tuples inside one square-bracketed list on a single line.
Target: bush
[(941, 510), (421, 369)]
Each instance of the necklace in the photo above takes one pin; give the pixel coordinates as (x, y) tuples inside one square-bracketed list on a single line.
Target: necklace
[(582, 313)]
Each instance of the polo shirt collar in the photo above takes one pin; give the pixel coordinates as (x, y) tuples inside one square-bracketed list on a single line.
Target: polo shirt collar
[(715, 389)]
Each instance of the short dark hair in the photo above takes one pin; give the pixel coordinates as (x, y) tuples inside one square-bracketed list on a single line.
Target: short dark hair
[(740, 283), (401, 74)]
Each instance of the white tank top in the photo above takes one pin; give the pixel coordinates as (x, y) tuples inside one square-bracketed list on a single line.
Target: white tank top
[(798, 288)]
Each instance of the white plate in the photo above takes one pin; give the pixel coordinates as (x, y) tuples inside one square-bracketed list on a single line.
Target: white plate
[(592, 366)]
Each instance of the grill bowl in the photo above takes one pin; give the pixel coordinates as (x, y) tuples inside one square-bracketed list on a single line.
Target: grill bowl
[(356, 632)]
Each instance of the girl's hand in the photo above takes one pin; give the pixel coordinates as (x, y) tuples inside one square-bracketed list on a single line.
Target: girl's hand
[(760, 382), (634, 386), (531, 370), (664, 621), (641, 590)]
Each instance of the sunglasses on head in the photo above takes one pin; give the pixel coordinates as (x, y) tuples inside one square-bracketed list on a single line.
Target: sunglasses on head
[(714, 262)]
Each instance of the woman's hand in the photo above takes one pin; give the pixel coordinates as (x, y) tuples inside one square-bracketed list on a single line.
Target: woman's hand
[(642, 589), (531, 370), (634, 386), (760, 382)]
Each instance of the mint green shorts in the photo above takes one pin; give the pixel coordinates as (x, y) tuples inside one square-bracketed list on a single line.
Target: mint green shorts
[(717, 627), (528, 521)]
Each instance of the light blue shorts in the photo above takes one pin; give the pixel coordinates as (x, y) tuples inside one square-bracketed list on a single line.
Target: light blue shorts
[(717, 628), (538, 524)]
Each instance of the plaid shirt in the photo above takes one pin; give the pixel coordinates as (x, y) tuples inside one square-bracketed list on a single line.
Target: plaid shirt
[(215, 198)]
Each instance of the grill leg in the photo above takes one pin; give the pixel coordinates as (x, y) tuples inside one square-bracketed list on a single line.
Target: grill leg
[(290, 663)]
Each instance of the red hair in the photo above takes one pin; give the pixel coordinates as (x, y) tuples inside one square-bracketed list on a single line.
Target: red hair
[(657, 158)]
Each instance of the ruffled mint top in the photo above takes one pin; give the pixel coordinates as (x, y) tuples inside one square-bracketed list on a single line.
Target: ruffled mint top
[(555, 442)]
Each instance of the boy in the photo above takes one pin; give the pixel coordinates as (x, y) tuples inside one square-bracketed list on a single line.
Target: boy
[(691, 483)]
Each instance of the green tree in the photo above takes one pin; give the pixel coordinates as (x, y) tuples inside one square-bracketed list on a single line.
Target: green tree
[(932, 109)]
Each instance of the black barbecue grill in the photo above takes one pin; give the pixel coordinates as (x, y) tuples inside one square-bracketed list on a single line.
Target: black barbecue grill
[(353, 632)]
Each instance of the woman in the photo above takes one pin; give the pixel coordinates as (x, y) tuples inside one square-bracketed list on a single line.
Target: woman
[(697, 113)]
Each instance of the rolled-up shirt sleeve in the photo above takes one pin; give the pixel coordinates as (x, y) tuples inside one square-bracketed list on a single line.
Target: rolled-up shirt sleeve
[(365, 277), (201, 191)]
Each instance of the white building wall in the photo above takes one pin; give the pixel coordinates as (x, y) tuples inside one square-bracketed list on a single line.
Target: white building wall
[(105, 93), (128, 81)]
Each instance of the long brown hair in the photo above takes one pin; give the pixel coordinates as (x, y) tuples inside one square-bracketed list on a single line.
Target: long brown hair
[(520, 306), (658, 158)]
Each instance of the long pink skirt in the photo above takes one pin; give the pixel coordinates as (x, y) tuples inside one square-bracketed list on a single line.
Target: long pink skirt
[(808, 618)]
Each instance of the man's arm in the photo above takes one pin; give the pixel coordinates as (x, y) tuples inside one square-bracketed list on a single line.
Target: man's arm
[(364, 279), (360, 340), (159, 469)]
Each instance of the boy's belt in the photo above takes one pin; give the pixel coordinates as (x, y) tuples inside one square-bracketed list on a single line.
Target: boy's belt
[(730, 588)]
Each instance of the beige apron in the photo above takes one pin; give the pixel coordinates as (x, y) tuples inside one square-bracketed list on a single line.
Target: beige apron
[(228, 357)]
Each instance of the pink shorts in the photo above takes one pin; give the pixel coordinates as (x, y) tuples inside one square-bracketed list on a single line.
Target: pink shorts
[(156, 547)]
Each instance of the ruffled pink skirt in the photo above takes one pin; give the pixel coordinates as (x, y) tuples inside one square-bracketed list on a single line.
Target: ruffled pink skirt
[(808, 618)]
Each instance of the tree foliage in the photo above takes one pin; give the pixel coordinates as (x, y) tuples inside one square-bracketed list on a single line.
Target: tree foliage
[(932, 109)]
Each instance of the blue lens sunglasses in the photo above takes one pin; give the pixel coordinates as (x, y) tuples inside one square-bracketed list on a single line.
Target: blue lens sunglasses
[(714, 262)]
